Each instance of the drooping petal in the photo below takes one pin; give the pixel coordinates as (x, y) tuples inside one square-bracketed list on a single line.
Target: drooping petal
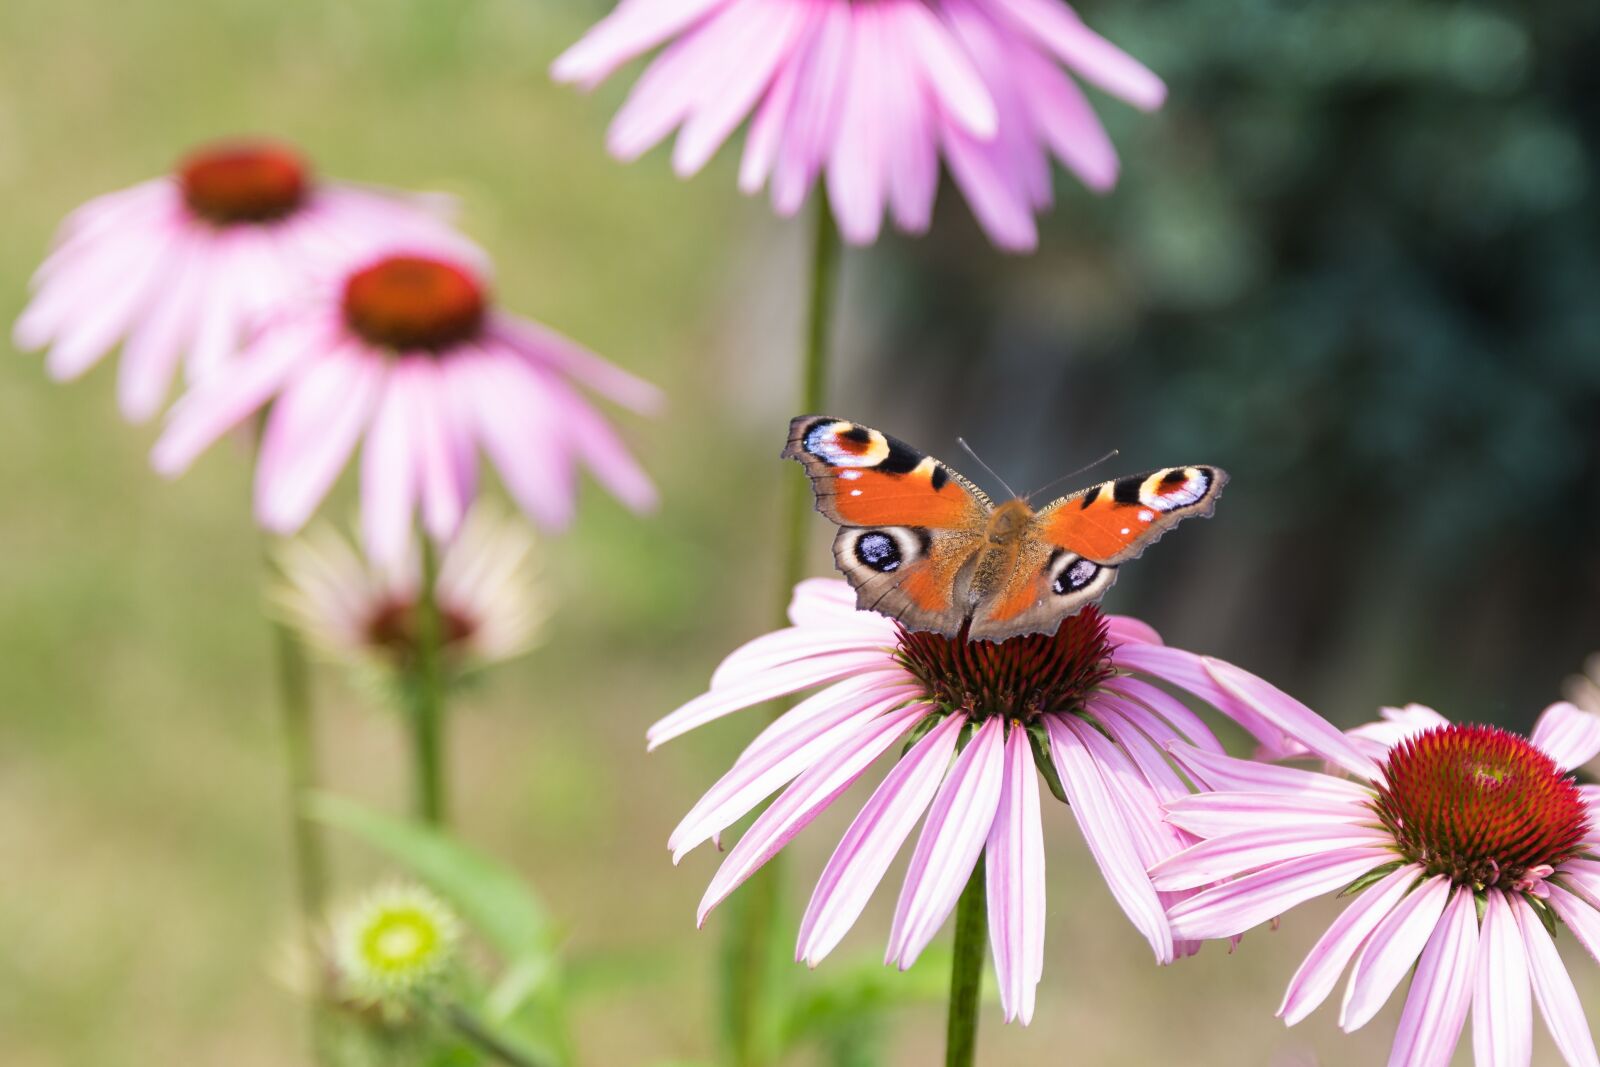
[(1502, 1010), (632, 29), (803, 801), (1015, 876), (1320, 971), (310, 433), (754, 778), (1553, 992), (731, 698), (1567, 734), (1090, 56), (1105, 829), (783, 647), (1292, 718), (1224, 773), (1581, 917), (867, 848), (1441, 990), (1390, 952), (1219, 814), (952, 838), (1248, 850), (389, 478), (1235, 907)]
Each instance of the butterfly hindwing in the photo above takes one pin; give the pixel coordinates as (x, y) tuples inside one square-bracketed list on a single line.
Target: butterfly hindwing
[(909, 525)]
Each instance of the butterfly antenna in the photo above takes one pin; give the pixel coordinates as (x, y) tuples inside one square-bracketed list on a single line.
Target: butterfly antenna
[(1113, 454), (962, 441)]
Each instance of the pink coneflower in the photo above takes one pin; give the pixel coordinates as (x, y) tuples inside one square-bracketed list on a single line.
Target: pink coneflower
[(1463, 846), (183, 267), (872, 93), (491, 606), (1089, 706), (408, 352)]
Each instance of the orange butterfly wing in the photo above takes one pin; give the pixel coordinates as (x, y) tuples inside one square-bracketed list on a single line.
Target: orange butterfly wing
[(908, 524), (1073, 548)]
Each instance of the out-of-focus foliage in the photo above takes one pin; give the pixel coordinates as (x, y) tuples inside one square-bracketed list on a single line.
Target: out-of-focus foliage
[(1356, 259)]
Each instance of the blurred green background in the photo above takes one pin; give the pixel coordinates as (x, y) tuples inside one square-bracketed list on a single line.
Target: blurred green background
[(1356, 260)]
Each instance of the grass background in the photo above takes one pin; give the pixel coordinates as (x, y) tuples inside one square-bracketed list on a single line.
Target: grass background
[(144, 899)]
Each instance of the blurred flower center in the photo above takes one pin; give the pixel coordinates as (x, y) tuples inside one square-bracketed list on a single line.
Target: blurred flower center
[(243, 183), (1020, 678), (413, 302), (397, 941), (394, 627), (1480, 805)]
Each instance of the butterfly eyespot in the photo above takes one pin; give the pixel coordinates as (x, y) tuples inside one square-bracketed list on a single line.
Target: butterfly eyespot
[(1075, 575), (878, 551)]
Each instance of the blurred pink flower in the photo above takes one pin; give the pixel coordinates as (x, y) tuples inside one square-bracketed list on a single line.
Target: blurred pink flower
[(1464, 846), (1083, 705), (871, 93), (185, 266), (408, 352)]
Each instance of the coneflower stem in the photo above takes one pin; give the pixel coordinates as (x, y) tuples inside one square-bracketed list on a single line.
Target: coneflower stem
[(752, 962), (427, 695), (966, 971), (300, 757)]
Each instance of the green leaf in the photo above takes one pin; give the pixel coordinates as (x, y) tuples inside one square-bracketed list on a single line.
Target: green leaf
[(1039, 742), (848, 1007), (1377, 874), (491, 897)]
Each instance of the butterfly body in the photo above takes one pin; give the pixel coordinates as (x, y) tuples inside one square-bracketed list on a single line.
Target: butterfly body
[(926, 546)]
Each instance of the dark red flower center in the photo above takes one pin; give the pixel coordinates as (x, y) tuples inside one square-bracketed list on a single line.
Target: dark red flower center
[(1481, 805), (1021, 678), (394, 627), (238, 183), (414, 302)]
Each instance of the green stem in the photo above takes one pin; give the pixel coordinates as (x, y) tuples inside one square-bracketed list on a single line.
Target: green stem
[(813, 392), (427, 695), (966, 972), (486, 1040), (310, 862), (752, 959)]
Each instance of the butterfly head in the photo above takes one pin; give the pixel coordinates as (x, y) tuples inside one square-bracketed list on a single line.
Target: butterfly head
[(1009, 522)]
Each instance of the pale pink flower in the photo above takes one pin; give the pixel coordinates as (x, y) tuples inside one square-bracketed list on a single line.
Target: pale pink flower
[(1090, 706), (491, 602), (182, 268), (1464, 849), (872, 95), (408, 352)]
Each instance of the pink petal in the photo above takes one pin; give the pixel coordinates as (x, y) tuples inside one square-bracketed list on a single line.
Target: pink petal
[(803, 716), (765, 136), (1153, 701), (390, 479), (1015, 875), (1580, 915), (810, 132), (634, 28), (857, 170), (755, 776), (948, 73), (1441, 990), (1187, 671), (209, 410), (911, 142), (788, 646), (868, 847), (518, 428), (992, 191), (1553, 992), (1234, 907), (1390, 952), (804, 675), (435, 445), (564, 355), (151, 354), (1502, 1010), (1217, 814), (1224, 773), (1122, 629), (1066, 121), (1106, 831), (311, 431), (1292, 717), (952, 839), (1092, 57), (772, 31), (803, 801), (1248, 850), (1320, 972), (607, 457), (1568, 735)]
